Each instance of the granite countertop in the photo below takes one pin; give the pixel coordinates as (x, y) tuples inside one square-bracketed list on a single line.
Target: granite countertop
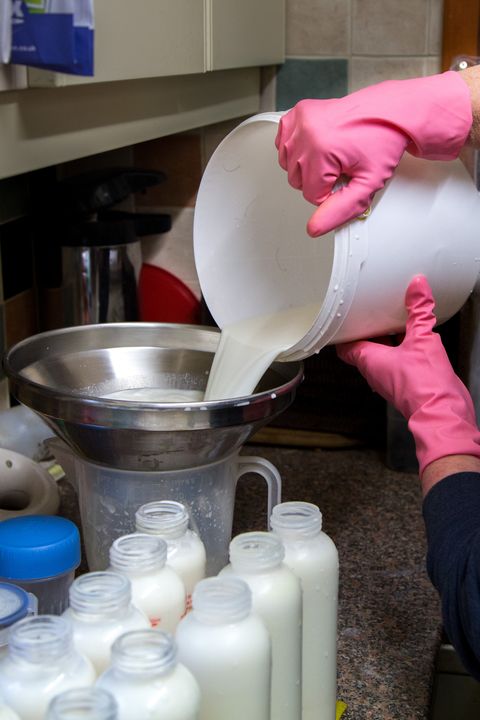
[(389, 622)]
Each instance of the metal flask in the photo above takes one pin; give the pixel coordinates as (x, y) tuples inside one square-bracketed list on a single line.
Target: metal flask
[(100, 269)]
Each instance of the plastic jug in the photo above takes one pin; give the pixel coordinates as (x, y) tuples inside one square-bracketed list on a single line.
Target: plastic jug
[(254, 257), (109, 498)]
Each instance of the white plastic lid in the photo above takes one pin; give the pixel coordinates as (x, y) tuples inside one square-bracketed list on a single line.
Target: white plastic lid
[(15, 604)]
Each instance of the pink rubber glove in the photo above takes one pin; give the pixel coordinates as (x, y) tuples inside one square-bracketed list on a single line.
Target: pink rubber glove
[(418, 379), (363, 136)]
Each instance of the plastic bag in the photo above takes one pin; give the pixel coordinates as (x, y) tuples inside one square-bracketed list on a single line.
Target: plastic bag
[(54, 35)]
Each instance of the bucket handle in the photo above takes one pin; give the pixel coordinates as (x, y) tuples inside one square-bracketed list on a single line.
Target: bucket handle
[(260, 466)]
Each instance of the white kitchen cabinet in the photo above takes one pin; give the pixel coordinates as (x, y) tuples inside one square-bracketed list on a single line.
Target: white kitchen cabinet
[(143, 39), (159, 38), (245, 32), (12, 77), (161, 67), (48, 126)]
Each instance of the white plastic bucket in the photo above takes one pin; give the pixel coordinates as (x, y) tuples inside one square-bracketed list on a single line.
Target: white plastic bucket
[(254, 257)]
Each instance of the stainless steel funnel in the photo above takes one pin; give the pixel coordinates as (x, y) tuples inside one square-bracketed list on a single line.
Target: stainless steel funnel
[(63, 374)]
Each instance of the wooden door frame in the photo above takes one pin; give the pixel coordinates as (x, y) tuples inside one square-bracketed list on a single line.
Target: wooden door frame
[(461, 24)]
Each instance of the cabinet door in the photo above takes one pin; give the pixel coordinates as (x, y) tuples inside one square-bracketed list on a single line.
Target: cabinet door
[(151, 38), (12, 77), (245, 32)]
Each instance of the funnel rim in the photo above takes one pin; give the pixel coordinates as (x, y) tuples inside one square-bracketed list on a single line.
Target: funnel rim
[(74, 404)]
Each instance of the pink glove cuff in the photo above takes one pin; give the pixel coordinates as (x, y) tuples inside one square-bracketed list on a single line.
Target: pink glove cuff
[(434, 440), (442, 125)]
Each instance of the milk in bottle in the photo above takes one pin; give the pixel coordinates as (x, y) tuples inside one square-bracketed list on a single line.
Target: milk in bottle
[(7, 713), (313, 557), (41, 662), (257, 558), (91, 703), (228, 650), (169, 520), (100, 611), (147, 681), (157, 590)]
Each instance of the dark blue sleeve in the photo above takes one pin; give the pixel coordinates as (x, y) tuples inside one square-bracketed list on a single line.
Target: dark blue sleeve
[(451, 511)]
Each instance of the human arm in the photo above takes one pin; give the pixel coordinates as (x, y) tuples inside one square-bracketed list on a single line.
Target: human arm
[(445, 466), (417, 378), (451, 512), (471, 76), (361, 138)]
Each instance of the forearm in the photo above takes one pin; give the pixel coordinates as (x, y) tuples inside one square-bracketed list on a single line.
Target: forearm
[(452, 518), (449, 465), (472, 78)]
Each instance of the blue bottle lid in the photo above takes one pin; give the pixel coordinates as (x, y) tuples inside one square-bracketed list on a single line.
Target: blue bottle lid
[(15, 604), (34, 547)]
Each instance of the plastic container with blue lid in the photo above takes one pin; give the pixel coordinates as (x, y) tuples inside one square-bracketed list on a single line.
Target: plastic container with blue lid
[(15, 604), (40, 553)]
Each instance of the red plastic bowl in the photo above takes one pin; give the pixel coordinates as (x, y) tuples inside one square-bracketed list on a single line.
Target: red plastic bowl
[(165, 298)]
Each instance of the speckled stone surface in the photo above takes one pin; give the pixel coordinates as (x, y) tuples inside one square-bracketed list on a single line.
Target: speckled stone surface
[(389, 616)]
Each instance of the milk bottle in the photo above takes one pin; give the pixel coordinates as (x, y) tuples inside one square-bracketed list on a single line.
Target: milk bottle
[(147, 681), (257, 558), (156, 588), (7, 713), (15, 604), (92, 703), (41, 662), (185, 551), (100, 611), (228, 650), (313, 557)]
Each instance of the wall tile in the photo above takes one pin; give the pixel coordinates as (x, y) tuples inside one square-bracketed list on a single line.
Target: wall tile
[(20, 317), (120, 157), (268, 88), (318, 28), (433, 65), (173, 251), (14, 198), (4, 395), (389, 27), (179, 156), (213, 135), (13, 77), (298, 79), (17, 257), (367, 71), (435, 27)]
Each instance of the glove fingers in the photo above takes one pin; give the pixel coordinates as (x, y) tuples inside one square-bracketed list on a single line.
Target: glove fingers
[(363, 353), (286, 127), (341, 206), (420, 307)]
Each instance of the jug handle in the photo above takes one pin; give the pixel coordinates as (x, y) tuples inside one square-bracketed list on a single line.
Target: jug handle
[(266, 469)]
